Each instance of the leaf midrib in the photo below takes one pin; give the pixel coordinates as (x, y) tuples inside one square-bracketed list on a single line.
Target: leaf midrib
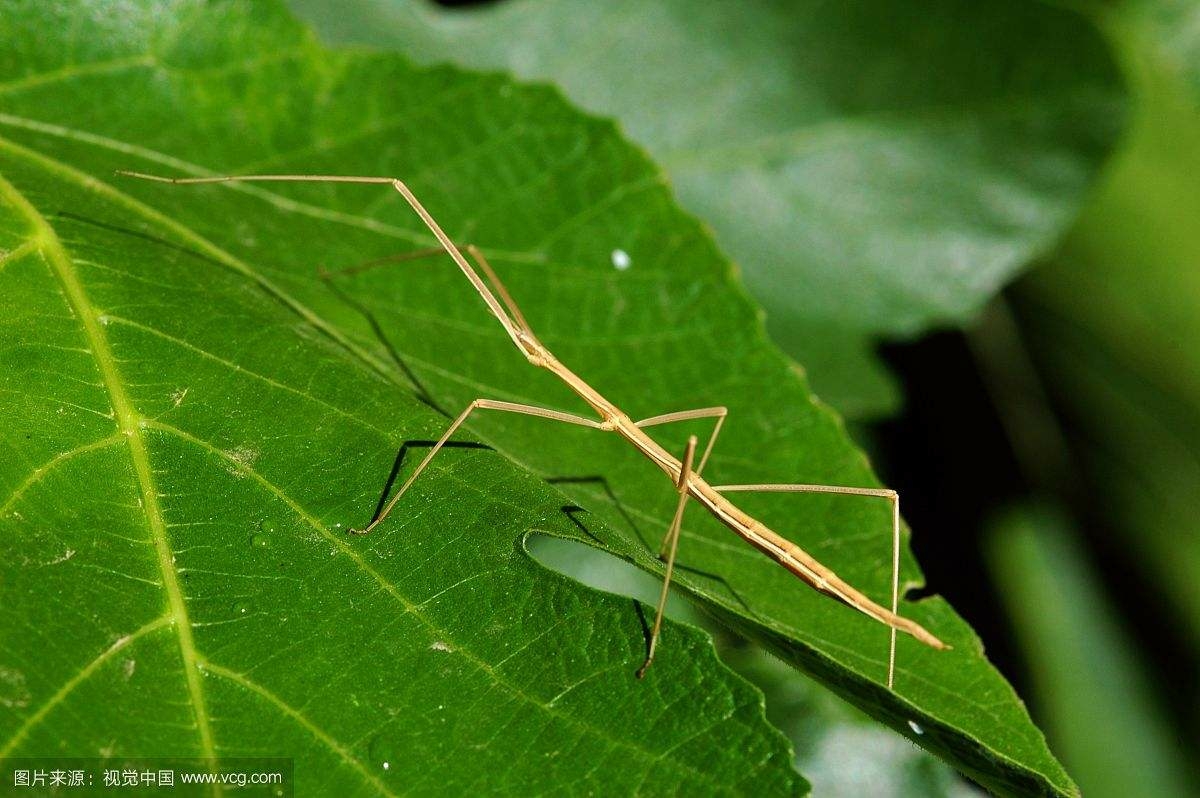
[(129, 422)]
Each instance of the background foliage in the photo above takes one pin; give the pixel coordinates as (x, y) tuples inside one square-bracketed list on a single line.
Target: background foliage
[(875, 168)]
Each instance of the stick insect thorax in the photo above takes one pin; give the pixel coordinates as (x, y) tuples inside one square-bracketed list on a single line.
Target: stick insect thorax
[(612, 419)]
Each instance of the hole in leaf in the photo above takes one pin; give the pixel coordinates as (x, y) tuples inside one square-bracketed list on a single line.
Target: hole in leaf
[(603, 571)]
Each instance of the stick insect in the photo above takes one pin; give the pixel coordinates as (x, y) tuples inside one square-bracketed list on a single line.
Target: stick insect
[(684, 472)]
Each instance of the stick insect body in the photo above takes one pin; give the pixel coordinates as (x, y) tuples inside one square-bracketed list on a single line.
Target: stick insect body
[(687, 479)]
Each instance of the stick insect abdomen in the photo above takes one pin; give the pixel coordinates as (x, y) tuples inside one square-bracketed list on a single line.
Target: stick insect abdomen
[(754, 532), (802, 564)]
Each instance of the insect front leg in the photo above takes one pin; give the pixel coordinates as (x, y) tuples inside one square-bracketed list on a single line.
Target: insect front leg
[(478, 404)]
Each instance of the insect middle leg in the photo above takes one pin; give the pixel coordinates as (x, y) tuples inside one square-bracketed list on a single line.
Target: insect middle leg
[(719, 413), (892, 496), (671, 544), (478, 404)]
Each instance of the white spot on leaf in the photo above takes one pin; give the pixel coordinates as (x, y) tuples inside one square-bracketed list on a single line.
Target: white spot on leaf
[(242, 455), (13, 692), (66, 555)]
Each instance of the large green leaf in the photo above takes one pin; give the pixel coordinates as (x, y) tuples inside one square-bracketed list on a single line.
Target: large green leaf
[(875, 167), (183, 440), (195, 417)]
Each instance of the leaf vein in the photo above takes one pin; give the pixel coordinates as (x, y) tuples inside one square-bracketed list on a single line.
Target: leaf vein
[(457, 647), (128, 423), (299, 718), (41, 471), (80, 676)]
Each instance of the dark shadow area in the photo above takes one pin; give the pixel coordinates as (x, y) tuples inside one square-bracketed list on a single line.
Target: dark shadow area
[(419, 389), (569, 511), (647, 630), (1146, 612), (919, 593), (951, 419), (602, 481), (398, 463), (142, 235)]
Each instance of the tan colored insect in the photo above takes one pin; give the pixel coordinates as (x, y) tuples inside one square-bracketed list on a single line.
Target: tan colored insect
[(684, 473)]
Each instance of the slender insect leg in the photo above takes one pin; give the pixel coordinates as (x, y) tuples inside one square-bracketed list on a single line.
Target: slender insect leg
[(472, 251), (687, 415), (478, 404), (893, 497), (719, 413), (672, 540), (516, 332)]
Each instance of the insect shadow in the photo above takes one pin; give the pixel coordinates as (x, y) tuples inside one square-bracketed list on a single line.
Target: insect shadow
[(571, 511), (419, 390), (398, 464), (139, 234), (421, 393)]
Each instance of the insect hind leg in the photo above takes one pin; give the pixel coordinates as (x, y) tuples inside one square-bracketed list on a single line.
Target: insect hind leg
[(671, 543), (886, 493)]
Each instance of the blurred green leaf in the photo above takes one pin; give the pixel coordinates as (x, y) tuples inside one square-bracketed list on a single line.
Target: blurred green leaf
[(839, 749), (1165, 31), (875, 167), (1115, 317), (181, 388), (1088, 681)]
